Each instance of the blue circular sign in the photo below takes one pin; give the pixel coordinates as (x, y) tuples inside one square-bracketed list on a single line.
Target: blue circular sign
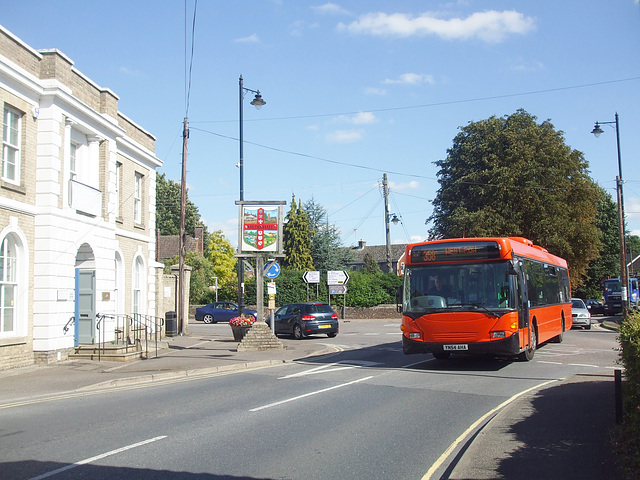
[(273, 271)]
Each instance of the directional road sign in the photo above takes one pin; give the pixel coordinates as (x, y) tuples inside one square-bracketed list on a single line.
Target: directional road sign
[(272, 270), (311, 276), (337, 277)]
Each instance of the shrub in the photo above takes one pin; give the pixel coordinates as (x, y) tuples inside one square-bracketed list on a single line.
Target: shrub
[(629, 440)]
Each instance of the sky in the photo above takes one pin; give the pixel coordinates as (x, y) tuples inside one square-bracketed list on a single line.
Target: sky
[(354, 89)]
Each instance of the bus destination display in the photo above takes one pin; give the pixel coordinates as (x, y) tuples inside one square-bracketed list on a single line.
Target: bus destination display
[(455, 252)]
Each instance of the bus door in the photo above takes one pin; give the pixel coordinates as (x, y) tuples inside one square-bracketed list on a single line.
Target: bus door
[(523, 305)]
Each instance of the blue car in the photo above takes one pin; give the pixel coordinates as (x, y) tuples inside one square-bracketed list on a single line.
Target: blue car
[(220, 312)]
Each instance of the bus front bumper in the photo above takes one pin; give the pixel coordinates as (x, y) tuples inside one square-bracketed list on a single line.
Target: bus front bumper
[(506, 346)]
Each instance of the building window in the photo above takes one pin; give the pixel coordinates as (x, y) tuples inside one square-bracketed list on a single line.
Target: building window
[(137, 199), (118, 180), (138, 282), (8, 285), (73, 160), (11, 146)]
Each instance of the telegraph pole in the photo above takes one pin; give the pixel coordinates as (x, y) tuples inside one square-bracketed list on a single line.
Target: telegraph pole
[(182, 243), (385, 187)]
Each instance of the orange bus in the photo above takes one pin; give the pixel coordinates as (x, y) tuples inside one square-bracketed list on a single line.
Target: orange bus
[(500, 296)]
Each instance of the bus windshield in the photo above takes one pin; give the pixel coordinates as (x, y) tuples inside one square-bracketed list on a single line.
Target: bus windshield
[(481, 286)]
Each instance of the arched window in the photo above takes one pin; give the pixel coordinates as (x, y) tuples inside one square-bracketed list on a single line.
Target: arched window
[(8, 285), (139, 281)]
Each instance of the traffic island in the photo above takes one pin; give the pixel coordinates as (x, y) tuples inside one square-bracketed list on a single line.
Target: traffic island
[(260, 337)]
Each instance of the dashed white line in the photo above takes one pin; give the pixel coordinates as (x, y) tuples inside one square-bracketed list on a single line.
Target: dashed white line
[(97, 457), (299, 397)]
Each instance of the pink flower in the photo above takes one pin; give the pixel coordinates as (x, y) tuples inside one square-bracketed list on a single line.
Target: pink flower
[(242, 321)]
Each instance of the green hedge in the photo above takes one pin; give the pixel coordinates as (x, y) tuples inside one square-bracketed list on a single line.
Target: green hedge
[(363, 289), (629, 440)]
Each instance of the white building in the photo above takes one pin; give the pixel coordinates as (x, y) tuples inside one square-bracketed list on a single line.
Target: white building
[(77, 207)]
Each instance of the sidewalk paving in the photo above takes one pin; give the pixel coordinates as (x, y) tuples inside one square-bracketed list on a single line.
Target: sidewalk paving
[(562, 431)]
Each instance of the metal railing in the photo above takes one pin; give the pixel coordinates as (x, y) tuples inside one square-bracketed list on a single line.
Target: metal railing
[(129, 331), (71, 321), (152, 328)]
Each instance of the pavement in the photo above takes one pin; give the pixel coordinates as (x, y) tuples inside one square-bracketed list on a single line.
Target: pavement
[(561, 431)]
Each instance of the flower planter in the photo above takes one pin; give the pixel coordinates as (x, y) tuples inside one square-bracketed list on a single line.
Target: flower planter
[(239, 332)]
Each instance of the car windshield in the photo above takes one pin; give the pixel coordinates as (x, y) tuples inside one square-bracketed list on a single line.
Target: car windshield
[(577, 303), (481, 286)]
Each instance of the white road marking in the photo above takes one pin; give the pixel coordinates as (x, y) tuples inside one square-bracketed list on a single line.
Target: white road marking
[(98, 457), (299, 397), (475, 425), (343, 365)]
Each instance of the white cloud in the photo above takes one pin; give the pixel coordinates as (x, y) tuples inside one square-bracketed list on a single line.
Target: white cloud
[(361, 118), (250, 39), (375, 91), (131, 72), (411, 79), (345, 136), (404, 186), (490, 26), (330, 9)]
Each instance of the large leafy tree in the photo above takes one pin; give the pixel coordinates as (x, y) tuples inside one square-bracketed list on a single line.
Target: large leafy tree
[(608, 262), (326, 247), (297, 238), (222, 257), (512, 176), (168, 209)]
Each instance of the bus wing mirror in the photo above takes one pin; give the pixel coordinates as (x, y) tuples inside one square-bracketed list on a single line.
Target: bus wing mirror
[(512, 269)]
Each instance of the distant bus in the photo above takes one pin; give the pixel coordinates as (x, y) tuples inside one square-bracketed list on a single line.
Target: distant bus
[(500, 296)]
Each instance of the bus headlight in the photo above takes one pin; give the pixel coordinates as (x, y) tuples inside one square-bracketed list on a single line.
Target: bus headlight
[(498, 335)]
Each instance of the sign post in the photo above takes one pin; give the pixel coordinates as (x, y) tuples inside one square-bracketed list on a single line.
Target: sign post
[(337, 285), (311, 276)]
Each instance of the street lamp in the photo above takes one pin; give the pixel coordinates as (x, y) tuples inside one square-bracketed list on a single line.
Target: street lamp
[(257, 102), (624, 279)]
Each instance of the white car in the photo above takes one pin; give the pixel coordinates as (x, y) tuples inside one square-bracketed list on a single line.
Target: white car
[(580, 314)]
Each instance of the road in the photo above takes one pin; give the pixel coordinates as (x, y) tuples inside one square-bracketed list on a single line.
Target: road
[(365, 412)]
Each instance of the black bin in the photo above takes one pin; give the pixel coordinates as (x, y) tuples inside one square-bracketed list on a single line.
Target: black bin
[(171, 324)]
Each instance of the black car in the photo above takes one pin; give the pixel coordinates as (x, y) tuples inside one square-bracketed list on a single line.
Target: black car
[(302, 319), (595, 307)]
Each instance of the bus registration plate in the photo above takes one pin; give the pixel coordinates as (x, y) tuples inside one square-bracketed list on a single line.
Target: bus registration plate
[(456, 347)]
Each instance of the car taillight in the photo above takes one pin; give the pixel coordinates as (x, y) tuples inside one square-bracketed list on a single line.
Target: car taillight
[(334, 316), (308, 317)]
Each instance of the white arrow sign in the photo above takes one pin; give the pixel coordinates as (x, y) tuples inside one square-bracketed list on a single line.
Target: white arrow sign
[(311, 276), (337, 277)]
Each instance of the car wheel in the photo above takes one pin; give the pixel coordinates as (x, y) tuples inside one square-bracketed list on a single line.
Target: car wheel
[(297, 332), (332, 334), (527, 355), (441, 355), (208, 318)]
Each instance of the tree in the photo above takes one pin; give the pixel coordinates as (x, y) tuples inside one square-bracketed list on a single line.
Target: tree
[(511, 176), (297, 238), (221, 255), (326, 247), (608, 261), (201, 273), (168, 199)]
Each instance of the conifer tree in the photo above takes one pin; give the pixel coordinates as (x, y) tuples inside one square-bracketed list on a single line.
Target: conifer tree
[(297, 238)]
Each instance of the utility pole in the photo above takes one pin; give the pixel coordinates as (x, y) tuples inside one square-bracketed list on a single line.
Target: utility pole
[(385, 187), (182, 243)]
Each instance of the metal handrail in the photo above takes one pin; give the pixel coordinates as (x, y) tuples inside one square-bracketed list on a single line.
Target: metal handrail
[(129, 330), (71, 320), (150, 325)]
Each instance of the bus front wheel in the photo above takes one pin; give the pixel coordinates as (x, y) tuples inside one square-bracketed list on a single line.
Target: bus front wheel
[(527, 355)]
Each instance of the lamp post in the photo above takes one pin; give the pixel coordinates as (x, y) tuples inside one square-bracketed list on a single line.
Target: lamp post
[(624, 279), (257, 102)]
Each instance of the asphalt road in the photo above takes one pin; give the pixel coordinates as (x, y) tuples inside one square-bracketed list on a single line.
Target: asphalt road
[(366, 412)]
